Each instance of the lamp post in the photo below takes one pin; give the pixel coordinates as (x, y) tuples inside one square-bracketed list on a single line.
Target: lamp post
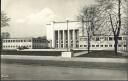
[(67, 36), (67, 54)]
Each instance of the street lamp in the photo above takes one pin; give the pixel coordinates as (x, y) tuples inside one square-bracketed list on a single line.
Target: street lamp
[(67, 35)]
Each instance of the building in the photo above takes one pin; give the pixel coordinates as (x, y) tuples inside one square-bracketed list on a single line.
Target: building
[(30, 43), (72, 34)]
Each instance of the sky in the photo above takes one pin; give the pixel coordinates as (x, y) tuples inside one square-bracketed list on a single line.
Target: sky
[(29, 17)]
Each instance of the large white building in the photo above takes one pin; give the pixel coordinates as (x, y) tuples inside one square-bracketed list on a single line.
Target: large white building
[(30, 43), (72, 34)]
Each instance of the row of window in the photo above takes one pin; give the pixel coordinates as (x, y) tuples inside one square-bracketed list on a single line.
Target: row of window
[(38, 46), (16, 40), (66, 41), (40, 41), (12, 46), (102, 45), (105, 38)]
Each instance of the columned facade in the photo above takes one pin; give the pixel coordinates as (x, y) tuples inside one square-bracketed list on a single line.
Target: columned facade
[(65, 39), (68, 34)]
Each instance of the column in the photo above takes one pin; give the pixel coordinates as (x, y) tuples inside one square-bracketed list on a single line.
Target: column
[(53, 34), (58, 39), (127, 43), (68, 38), (74, 39), (63, 39)]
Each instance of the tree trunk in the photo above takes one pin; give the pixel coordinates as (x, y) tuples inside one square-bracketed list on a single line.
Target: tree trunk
[(116, 44), (88, 43), (1, 46)]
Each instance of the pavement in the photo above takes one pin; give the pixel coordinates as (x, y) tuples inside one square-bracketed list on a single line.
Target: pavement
[(59, 58)]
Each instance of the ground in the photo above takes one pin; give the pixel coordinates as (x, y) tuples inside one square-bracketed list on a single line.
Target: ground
[(103, 54), (40, 72)]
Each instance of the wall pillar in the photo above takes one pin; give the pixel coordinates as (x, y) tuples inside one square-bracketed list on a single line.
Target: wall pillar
[(58, 39), (74, 39), (68, 38), (63, 39)]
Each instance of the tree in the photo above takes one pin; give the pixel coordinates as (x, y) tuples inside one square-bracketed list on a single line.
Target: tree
[(4, 23), (112, 15), (4, 19), (127, 25), (88, 18)]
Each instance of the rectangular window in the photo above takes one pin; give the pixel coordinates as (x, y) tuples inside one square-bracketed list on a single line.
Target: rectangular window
[(13, 40), (106, 45), (110, 45), (97, 45), (85, 45), (120, 38), (81, 45), (61, 45), (93, 45), (101, 45), (106, 38), (97, 39), (8, 40), (124, 45), (119, 45), (110, 38), (124, 38)]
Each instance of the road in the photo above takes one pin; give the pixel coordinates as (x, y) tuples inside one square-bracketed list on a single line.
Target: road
[(16, 71)]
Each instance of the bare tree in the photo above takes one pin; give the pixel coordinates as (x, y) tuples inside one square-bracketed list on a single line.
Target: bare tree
[(87, 17), (4, 23), (111, 15), (4, 19)]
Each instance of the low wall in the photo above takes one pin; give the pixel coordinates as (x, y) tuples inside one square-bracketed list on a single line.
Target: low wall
[(35, 53)]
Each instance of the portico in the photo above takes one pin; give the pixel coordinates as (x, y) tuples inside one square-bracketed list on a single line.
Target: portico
[(66, 38)]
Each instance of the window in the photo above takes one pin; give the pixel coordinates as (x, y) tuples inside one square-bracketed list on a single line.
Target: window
[(119, 45), (110, 45), (97, 45), (85, 45), (62, 45), (8, 40), (101, 45), (120, 38), (106, 45), (81, 45), (97, 39), (124, 45), (124, 38), (93, 45), (106, 38), (13, 40), (110, 38)]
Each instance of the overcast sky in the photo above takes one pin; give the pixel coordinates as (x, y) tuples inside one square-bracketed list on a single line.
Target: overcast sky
[(29, 17)]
